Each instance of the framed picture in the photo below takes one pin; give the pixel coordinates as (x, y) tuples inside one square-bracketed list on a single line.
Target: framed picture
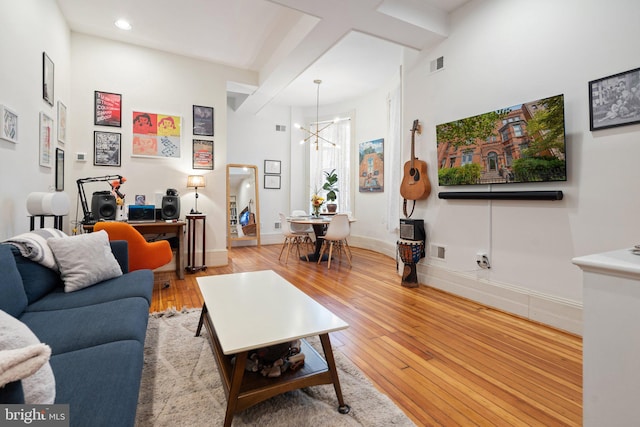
[(59, 169), (272, 167), (202, 120), (371, 170), (47, 78), (614, 100), (8, 125), (62, 122), (107, 109), (106, 148), (46, 140), (272, 181), (202, 154), (156, 135)]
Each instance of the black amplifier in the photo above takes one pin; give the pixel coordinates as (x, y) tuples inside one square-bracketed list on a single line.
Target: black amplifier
[(412, 229)]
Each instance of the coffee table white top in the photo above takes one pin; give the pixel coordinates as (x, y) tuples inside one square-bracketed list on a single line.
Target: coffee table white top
[(256, 309)]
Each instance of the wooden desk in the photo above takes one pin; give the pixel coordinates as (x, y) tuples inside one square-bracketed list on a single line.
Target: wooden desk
[(161, 227), (247, 311)]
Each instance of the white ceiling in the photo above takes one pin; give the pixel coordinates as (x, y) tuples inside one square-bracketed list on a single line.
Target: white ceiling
[(351, 45)]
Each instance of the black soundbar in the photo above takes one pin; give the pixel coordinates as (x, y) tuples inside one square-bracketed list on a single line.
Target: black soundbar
[(501, 195)]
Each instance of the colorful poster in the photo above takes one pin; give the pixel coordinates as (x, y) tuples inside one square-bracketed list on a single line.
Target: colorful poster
[(371, 174), (108, 109), (156, 135)]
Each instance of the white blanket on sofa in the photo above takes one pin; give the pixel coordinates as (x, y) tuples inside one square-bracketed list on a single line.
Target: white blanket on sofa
[(24, 357), (33, 245)]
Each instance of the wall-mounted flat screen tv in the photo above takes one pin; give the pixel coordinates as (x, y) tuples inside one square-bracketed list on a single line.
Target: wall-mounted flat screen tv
[(522, 143)]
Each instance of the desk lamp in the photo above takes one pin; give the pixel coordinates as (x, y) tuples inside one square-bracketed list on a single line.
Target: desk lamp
[(195, 181)]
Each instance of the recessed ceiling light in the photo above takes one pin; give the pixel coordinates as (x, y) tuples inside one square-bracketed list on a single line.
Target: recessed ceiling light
[(123, 24)]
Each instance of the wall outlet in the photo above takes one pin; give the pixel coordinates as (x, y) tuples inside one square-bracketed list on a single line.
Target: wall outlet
[(482, 259), (277, 225)]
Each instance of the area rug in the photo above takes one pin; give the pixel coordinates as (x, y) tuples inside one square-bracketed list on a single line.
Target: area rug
[(181, 387)]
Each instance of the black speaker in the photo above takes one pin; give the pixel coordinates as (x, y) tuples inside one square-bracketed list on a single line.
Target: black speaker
[(103, 205), (170, 207)]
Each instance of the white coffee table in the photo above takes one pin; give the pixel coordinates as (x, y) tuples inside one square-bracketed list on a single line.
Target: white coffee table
[(247, 311)]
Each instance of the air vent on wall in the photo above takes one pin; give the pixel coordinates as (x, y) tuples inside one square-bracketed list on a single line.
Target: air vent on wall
[(437, 64), (281, 128)]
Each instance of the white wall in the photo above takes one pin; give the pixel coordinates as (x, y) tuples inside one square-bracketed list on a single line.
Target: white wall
[(501, 53), (154, 81), (29, 27)]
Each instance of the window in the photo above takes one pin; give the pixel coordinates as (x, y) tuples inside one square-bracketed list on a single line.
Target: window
[(505, 135), (328, 157), (467, 157), (517, 130)]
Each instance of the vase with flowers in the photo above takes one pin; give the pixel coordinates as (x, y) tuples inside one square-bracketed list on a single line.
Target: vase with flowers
[(316, 204)]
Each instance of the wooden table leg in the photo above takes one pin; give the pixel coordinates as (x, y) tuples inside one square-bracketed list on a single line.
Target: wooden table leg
[(331, 364), (234, 389)]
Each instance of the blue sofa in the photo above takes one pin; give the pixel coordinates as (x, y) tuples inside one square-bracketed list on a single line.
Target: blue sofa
[(96, 335)]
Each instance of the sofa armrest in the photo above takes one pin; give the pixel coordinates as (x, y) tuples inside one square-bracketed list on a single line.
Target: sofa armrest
[(12, 393), (120, 249)]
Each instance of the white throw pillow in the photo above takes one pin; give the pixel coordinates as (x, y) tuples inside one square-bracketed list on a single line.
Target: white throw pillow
[(23, 357), (84, 260)]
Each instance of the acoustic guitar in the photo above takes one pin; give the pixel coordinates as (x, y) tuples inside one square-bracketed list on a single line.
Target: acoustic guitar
[(415, 182)]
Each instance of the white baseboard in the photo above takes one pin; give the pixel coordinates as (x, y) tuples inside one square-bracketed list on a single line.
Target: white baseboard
[(547, 309)]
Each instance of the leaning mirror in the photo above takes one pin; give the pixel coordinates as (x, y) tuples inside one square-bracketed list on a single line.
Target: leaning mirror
[(243, 207)]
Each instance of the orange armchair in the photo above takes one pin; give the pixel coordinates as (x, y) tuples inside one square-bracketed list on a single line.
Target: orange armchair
[(142, 254)]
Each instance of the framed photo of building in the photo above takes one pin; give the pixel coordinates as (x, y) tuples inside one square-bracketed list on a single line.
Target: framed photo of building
[(202, 154), (106, 148), (371, 174), (47, 79), (202, 120), (8, 125), (615, 100), (46, 141)]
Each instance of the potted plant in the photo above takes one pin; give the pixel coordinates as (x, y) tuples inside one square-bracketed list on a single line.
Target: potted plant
[(331, 187)]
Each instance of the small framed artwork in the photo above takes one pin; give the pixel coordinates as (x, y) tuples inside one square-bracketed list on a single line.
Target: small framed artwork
[(272, 181), (106, 148), (272, 167), (62, 122), (46, 141), (202, 154), (8, 125), (59, 169), (47, 78), (107, 109), (615, 100), (202, 120)]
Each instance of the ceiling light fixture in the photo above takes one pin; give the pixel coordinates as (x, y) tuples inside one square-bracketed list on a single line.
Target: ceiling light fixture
[(316, 134), (123, 24)]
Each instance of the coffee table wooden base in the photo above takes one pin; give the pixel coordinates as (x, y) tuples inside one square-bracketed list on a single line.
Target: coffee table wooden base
[(245, 389)]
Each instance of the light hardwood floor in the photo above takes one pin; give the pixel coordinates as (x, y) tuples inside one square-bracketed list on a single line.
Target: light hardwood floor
[(444, 360)]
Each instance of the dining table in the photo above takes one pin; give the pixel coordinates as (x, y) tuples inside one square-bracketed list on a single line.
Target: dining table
[(319, 225)]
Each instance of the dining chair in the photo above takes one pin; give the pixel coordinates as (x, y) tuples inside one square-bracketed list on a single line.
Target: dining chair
[(291, 238), (337, 232), (302, 228)]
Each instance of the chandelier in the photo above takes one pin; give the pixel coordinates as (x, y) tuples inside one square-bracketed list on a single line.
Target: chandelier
[(316, 135)]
